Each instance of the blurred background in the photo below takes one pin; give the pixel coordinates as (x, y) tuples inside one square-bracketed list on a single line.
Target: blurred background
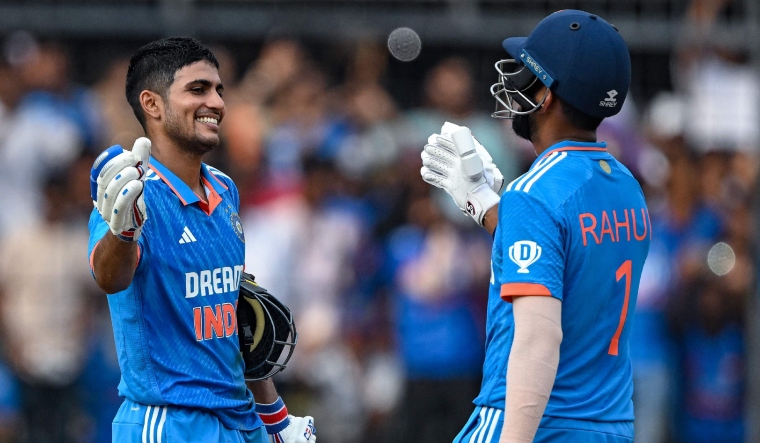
[(386, 277)]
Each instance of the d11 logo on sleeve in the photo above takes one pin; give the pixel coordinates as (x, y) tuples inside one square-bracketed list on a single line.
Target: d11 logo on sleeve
[(524, 253)]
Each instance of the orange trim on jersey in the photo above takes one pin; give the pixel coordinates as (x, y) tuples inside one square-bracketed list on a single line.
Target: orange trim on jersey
[(509, 290), (213, 198), (217, 179), (158, 173), (92, 256)]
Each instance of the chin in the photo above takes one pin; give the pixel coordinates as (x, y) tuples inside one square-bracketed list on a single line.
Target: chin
[(199, 146)]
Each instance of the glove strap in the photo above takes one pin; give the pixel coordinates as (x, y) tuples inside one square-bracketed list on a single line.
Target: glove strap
[(274, 416), (479, 201), (129, 236)]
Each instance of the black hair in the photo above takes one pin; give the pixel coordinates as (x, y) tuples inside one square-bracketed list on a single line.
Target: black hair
[(578, 118), (154, 65)]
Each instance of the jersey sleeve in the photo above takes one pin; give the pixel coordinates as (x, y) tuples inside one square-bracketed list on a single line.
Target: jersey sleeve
[(531, 239)]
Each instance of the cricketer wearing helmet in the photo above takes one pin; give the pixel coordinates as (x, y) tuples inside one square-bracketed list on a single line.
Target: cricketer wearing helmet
[(570, 239), (167, 245)]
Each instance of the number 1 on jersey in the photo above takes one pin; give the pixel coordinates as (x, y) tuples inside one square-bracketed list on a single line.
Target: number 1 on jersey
[(624, 270)]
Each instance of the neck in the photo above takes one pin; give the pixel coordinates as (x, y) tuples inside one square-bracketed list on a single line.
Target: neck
[(186, 166), (543, 140)]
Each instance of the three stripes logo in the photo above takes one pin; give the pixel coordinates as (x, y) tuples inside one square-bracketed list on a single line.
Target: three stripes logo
[(187, 237), (526, 181)]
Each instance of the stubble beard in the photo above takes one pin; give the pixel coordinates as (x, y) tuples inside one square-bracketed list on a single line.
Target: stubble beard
[(186, 139), (524, 126)]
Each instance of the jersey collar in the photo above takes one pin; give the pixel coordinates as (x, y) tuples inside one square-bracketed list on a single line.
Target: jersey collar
[(183, 192), (570, 145)]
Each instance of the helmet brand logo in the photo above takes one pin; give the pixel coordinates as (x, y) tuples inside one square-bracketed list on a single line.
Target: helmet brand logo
[(611, 101), (534, 65)]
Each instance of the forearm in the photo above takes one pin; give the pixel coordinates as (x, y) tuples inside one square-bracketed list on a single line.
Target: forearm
[(532, 366), (263, 391), (491, 219), (114, 263)]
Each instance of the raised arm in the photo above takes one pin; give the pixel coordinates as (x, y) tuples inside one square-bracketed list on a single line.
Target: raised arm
[(117, 191)]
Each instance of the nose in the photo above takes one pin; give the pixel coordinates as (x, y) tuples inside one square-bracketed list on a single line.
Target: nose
[(215, 101)]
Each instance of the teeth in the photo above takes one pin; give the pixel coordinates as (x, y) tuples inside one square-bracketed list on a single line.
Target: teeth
[(207, 120)]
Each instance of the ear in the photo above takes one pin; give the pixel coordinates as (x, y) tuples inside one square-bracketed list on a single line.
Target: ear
[(548, 101), (152, 104)]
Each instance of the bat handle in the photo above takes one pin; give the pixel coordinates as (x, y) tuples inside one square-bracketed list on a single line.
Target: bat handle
[(471, 162)]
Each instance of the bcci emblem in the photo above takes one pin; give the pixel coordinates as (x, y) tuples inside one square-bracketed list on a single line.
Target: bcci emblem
[(237, 226), (524, 253)]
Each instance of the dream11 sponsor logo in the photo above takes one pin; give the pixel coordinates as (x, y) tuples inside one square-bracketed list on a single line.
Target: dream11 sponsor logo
[(219, 320), (524, 253)]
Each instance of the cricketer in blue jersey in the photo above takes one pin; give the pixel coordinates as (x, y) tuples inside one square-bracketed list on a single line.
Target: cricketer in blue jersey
[(570, 239), (167, 245)]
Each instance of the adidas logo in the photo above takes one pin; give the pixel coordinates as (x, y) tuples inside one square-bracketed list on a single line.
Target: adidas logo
[(187, 237)]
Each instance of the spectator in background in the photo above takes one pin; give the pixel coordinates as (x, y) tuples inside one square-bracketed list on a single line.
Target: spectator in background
[(448, 89), (708, 322), (303, 247), (120, 127), (436, 302), (34, 141), (45, 291), (367, 113), (683, 229), (721, 86), (45, 68)]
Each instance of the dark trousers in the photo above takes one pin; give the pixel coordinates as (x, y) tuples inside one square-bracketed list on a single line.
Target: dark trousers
[(50, 414), (432, 411)]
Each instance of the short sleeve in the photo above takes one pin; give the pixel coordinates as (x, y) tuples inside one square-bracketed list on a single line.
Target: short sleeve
[(530, 233)]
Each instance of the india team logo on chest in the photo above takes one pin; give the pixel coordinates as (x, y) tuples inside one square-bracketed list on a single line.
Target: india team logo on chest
[(237, 226), (524, 253)]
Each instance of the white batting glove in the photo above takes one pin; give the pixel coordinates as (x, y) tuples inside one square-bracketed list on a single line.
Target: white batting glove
[(493, 175), (283, 427), (442, 166), (119, 194), (300, 430)]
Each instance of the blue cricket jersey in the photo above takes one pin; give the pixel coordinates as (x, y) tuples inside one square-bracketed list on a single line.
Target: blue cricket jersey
[(175, 325), (574, 227)]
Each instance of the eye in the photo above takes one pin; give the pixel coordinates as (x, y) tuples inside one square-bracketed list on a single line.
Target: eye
[(197, 90)]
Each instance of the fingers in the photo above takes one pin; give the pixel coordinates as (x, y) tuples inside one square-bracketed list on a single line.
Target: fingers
[(123, 207), (433, 178), (437, 164), (107, 199), (445, 141), (141, 149), (443, 154), (112, 169)]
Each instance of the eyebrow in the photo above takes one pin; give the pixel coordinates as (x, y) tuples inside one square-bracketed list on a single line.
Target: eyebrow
[(206, 83)]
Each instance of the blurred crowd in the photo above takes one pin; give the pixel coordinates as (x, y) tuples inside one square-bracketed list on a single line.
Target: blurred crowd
[(387, 279)]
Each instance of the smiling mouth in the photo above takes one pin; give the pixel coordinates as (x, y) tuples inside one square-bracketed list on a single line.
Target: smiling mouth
[(211, 120)]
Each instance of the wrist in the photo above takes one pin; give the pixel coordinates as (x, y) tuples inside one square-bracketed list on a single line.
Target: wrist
[(274, 415), (479, 201)]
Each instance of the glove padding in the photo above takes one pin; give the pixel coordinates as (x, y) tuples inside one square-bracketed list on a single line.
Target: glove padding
[(442, 167), (119, 193), (493, 175), (299, 430)]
